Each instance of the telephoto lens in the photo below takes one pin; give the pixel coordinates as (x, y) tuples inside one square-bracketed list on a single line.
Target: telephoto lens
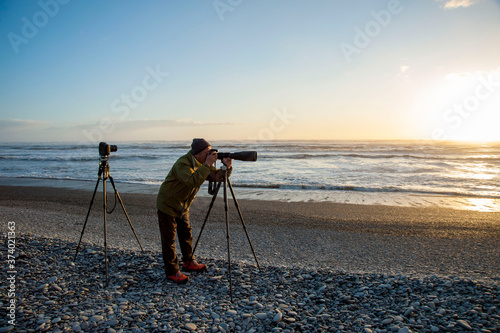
[(249, 156)]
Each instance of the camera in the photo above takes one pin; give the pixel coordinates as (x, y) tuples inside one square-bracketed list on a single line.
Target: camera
[(249, 156), (105, 149)]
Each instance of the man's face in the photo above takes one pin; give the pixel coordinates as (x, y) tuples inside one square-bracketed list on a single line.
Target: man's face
[(202, 156)]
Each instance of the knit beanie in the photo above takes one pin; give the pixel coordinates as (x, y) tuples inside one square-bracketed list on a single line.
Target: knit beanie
[(199, 145)]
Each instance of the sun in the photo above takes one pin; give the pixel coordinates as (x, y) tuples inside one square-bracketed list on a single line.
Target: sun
[(478, 134), (464, 106), (480, 126)]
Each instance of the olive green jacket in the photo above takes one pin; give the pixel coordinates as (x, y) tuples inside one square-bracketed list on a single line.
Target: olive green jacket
[(181, 185)]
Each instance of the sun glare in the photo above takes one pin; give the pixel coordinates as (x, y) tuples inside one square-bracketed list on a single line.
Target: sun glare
[(481, 126), (471, 137), (482, 205), (463, 106)]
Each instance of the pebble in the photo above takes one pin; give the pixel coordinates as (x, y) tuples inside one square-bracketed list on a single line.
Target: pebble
[(232, 312), (6, 328), (113, 322), (261, 315), (278, 317), (74, 298), (464, 324), (223, 326), (191, 326), (139, 313), (76, 327)]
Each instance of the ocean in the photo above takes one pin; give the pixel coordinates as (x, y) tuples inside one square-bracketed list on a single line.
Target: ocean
[(453, 175)]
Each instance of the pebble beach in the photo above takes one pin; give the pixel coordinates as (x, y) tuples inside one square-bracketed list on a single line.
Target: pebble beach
[(325, 267)]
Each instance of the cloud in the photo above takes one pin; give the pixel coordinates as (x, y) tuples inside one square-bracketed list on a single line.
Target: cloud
[(20, 124), (404, 71), (138, 124), (148, 123), (475, 74), (452, 4), (13, 130)]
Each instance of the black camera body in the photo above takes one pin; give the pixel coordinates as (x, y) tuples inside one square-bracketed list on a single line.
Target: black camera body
[(105, 149), (249, 156)]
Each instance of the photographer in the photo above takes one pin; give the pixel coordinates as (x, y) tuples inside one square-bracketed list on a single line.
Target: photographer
[(174, 198)]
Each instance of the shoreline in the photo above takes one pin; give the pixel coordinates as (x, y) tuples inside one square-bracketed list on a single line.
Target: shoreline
[(396, 199)]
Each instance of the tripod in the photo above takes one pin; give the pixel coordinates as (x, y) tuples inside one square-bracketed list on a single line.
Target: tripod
[(227, 182), (104, 173)]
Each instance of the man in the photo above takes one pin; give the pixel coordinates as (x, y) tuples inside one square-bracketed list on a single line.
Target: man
[(174, 198)]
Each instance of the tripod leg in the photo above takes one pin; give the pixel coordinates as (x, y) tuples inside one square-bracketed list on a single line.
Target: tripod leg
[(105, 230), (123, 207), (87, 218), (243, 222), (228, 245), (206, 218)]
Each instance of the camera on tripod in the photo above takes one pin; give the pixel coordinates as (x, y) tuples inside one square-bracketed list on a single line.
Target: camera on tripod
[(249, 156), (214, 185), (103, 174), (105, 149)]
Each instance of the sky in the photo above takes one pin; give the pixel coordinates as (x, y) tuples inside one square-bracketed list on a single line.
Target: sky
[(91, 71)]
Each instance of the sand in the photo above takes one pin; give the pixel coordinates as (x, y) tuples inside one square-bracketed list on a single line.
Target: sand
[(351, 238)]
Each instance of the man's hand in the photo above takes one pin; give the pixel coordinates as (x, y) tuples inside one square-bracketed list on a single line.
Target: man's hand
[(227, 162), (211, 159)]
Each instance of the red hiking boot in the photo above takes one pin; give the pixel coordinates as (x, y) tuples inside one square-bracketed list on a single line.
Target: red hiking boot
[(193, 266), (178, 278)]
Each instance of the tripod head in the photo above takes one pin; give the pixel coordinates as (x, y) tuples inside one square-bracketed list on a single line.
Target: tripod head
[(214, 182), (104, 151), (103, 167)]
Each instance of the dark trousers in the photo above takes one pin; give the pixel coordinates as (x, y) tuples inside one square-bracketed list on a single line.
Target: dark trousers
[(169, 227)]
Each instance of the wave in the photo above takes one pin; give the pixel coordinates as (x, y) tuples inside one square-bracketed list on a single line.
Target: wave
[(53, 158), (351, 188), (292, 187), (302, 156), (470, 171), (45, 147), (482, 158), (47, 158)]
